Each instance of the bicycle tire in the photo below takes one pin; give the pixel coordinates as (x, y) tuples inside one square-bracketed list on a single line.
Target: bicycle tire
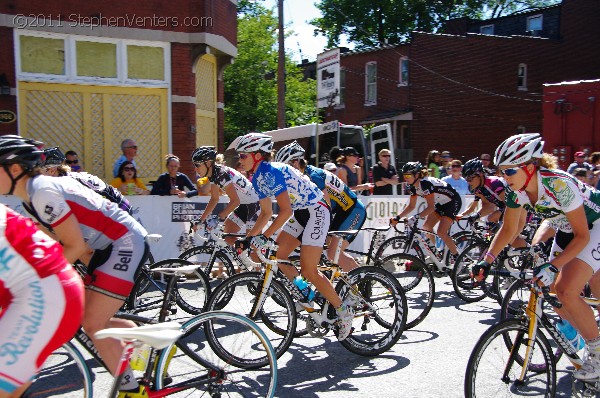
[(201, 254), (385, 295), (467, 288), (399, 244), (277, 318), (484, 376), (64, 372), (417, 281), (194, 358)]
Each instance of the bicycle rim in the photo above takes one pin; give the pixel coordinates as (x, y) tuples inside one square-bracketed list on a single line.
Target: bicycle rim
[(64, 373), (201, 255), (467, 288), (194, 358), (490, 360)]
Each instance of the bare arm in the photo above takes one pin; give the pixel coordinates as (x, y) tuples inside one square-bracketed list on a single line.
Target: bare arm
[(215, 194), (266, 211), (234, 201)]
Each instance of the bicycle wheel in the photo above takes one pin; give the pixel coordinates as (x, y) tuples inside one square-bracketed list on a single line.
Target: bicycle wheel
[(201, 255), (467, 288), (380, 319), (493, 369), (64, 373), (276, 318), (417, 281), (240, 341), (399, 244)]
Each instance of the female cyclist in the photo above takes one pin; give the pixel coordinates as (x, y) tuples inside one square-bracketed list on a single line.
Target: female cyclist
[(489, 190), (300, 199), (443, 202), (81, 219), (347, 211), (41, 296), (571, 207)]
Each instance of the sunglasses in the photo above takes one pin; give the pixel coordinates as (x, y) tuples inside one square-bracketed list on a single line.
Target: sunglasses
[(407, 175), (486, 160), (386, 156), (243, 155), (128, 168), (72, 161), (133, 147), (196, 165), (471, 178), (456, 167), (512, 171)]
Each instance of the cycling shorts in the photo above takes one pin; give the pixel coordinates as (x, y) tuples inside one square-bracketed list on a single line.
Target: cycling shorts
[(310, 225), (449, 209), (589, 254), (354, 218), (245, 215), (39, 319), (112, 271)]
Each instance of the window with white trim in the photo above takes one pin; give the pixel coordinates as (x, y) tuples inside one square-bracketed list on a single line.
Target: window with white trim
[(371, 83), (403, 79), (535, 23), (522, 77), (486, 29), (342, 87)]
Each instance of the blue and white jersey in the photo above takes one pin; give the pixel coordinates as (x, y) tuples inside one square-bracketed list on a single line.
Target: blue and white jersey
[(339, 193), (271, 179)]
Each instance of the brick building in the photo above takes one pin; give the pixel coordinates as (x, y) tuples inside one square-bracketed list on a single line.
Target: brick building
[(86, 75), (468, 89)]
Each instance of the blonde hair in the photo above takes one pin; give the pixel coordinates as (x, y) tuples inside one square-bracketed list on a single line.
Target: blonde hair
[(220, 159), (548, 161)]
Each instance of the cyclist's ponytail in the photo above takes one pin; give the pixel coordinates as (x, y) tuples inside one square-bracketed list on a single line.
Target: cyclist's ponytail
[(548, 161)]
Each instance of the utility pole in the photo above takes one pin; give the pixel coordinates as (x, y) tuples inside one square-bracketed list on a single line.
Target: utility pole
[(281, 70)]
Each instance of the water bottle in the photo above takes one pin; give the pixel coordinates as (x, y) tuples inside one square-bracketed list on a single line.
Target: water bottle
[(305, 288), (570, 334)]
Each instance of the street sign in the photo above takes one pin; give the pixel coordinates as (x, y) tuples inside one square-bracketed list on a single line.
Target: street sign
[(328, 78)]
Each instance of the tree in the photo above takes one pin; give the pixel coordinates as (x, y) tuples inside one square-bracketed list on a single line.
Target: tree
[(372, 23), (251, 84)]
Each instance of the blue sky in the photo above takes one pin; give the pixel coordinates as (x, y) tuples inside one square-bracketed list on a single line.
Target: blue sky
[(296, 14)]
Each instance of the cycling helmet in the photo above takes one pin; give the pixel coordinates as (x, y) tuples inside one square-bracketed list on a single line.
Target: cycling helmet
[(472, 167), (17, 149), (255, 142), (53, 157), (289, 152), (519, 149), (203, 154), (412, 167)]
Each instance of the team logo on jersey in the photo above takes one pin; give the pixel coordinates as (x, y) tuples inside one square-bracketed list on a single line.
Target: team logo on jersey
[(52, 213), (563, 193)]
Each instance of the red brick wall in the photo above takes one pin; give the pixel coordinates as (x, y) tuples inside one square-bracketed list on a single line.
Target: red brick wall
[(7, 67)]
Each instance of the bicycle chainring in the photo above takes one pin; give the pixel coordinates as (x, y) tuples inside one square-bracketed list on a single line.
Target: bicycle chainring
[(316, 330)]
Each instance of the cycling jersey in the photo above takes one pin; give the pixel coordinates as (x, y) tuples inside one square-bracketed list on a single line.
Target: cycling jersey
[(97, 185), (117, 238), (342, 197), (41, 296), (224, 176), (491, 190), (272, 178), (443, 192)]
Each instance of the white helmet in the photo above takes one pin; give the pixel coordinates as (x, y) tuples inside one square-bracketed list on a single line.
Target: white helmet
[(519, 149), (255, 142), (289, 152)]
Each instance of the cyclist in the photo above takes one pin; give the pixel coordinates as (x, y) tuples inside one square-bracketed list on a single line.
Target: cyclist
[(573, 208), (301, 200), (243, 207), (81, 219), (54, 165), (41, 296), (443, 202), (347, 211)]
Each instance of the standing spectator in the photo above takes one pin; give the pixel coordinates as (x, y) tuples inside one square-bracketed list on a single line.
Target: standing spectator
[(384, 174), (456, 180), (579, 163), (348, 170), (433, 163), (127, 182), (73, 161), (446, 160), (488, 166), (581, 174), (129, 148), (173, 182)]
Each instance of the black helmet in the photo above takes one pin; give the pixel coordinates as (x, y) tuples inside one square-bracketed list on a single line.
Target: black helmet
[(472, 167), (52, 157), (412, 167), (24, 151), (203, 154)]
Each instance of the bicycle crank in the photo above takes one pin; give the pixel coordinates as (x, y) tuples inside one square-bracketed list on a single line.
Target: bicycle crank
[(314, 329)]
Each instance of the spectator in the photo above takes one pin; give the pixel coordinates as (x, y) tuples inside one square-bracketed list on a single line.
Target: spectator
[(595, 176), (581, 174), (127, 182), (348, 170), (173, 182), (73, 161), (129, 148), (433, 163), (579, 163), (334, 154), (456, 180), (488, 166), (384, 174), (446, 160)]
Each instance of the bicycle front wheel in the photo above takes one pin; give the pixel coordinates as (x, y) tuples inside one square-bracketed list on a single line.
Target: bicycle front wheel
[(496, 363), (64, 373), (465, 286), (191, 363), (379, 313), (209, 263), (417, 281)]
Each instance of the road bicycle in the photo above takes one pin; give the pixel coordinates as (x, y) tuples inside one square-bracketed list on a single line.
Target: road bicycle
[(515, 356), (227, 352), (272, 300)]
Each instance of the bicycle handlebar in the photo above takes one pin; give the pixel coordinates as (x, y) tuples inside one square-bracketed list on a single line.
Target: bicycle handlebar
[(527, 276)]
